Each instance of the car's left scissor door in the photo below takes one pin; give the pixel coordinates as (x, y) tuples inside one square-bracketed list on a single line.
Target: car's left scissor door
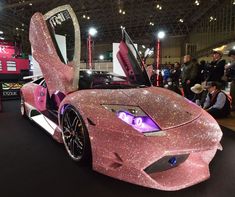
[(55, 42)]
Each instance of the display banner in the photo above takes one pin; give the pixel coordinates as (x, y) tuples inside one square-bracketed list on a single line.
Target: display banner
[(11, 90), (7, 49)]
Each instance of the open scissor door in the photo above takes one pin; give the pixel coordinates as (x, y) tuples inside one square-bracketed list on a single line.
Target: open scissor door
[(131, 62), (55, 41)]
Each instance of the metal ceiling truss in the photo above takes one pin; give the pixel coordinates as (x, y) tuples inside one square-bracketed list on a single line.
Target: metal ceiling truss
[(105, 16)]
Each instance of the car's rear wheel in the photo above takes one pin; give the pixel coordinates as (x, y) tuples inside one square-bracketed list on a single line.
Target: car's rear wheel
[(75, 136), (22, 106)]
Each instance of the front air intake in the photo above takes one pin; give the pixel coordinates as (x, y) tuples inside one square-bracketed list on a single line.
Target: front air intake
[(166, 163)]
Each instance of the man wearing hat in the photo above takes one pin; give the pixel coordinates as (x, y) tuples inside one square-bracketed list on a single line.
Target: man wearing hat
[(216, 67), (230, 73), (217, 102), (200, 94)]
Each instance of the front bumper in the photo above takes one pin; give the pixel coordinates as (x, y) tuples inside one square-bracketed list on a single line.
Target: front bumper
[(127, 157)]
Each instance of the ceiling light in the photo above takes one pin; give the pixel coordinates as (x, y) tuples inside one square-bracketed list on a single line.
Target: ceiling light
[(212, 19), (122, 27), (143, 46), (122, 11), (30, 4), (1, 32), (151, 23), (92, 31), (17, 28), (101, 57), (197, 2), (234, 2), (161, 34), (88, 18), (181, 20), (158, 7), (83, 16), (234, 47)]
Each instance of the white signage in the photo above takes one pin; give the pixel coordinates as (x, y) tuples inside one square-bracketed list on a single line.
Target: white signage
[(59, 18)]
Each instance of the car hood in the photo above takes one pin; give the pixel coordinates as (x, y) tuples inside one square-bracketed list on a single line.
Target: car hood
[(165, 107)]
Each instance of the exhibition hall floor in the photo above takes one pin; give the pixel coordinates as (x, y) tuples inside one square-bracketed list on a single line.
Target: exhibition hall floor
[(33, 164)]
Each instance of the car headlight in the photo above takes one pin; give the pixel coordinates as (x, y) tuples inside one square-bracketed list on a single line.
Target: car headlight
[(135, 117)]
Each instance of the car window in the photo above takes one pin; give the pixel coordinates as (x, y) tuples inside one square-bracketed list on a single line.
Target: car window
[(103, 80), (38, 81), (43, 84)]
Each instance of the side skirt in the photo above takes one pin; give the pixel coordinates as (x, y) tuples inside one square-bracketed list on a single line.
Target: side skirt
[(42, 120)]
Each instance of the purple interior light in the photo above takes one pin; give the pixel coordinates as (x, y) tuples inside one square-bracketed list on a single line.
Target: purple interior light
[(140, 123), (126, 117), (122, 115)]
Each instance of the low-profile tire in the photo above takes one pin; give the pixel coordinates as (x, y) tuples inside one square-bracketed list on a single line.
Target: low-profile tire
[(75, 136), (22, 106)]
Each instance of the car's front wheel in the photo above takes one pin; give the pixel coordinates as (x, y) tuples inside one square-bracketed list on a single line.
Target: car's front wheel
[(75, 136)]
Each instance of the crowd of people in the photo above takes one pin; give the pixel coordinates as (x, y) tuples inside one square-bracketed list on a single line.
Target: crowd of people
[(202, 82)]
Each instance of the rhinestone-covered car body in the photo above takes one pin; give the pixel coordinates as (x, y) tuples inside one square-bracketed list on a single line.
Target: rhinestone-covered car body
[(138, 133)]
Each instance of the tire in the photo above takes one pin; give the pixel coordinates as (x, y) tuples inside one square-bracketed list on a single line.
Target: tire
[(22, 107), (75, 136)]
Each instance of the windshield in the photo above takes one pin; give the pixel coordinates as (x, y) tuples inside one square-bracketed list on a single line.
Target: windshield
[(104, 80)]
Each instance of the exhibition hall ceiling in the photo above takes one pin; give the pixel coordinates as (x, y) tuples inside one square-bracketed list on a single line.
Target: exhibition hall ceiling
[(141, 18)]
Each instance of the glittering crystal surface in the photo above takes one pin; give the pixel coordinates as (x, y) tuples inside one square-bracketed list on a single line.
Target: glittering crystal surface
[(58, 76), (120, 151)]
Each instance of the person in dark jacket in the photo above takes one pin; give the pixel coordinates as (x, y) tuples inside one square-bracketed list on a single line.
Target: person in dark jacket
[(217, 102), (175, 73), (230, 73), (188, 76), (202, 72), (216, 67)]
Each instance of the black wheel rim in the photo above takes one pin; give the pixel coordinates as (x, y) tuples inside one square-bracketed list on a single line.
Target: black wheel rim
[(73, 134)]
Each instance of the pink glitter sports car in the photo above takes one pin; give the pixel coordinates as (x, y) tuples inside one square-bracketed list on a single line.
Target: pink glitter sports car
[(125, 127)]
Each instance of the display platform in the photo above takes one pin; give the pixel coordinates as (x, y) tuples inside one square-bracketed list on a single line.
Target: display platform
[(33, 164)]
